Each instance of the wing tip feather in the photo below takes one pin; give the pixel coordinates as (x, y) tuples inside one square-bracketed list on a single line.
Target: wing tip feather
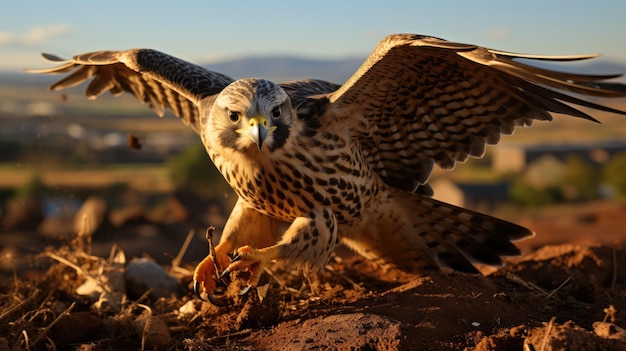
[(562, 58), (53, 57)]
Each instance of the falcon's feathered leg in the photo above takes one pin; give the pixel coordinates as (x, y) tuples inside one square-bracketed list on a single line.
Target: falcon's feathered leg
[(256, 239), (205, 277), (245, 226), (308, 240)]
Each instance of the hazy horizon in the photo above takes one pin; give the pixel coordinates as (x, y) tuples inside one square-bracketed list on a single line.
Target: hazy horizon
[(205, 33)]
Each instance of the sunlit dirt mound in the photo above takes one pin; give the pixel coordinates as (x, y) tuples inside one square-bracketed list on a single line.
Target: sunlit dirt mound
[(564, 297)]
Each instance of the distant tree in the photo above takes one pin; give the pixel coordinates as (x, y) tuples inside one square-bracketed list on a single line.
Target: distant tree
[(614, 175), (24, 210), (34, 188), (580, 180), (525, 194), (193, 170)]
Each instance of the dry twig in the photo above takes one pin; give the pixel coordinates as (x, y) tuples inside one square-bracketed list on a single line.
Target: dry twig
[(209, 238), (80, 271), (183, 249), (18, 305), (55, 321), (554, 291), (354, 284), (532, 286), (546, 337)]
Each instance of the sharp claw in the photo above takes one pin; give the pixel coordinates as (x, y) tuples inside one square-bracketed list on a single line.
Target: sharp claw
[(213, 301), (198, 291), (224, 274), (209, 297), (224, 280), (245, 290)]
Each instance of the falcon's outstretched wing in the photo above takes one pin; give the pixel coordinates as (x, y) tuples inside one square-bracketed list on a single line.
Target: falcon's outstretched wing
[(151, 76), (418, 100)]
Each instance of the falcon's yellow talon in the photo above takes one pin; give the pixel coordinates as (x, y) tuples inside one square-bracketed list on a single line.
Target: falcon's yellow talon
[(251, 260), (206, 278), (197, 290), (245, 290), (225, 273), (213, 301)]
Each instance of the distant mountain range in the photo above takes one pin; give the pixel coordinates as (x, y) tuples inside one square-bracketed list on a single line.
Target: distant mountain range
[(283, 68), (278, 69), (288, 68)]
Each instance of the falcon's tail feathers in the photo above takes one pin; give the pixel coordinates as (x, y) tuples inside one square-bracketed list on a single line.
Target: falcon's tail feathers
[(418, 234)]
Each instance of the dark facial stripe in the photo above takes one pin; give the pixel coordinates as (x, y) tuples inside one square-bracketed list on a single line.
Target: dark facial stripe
[(280, 135)]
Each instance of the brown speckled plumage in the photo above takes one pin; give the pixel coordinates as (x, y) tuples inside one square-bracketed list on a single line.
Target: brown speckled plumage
[(315, 164)]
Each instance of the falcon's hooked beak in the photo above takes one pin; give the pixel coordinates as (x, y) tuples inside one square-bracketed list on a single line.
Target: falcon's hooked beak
[(259, 129)]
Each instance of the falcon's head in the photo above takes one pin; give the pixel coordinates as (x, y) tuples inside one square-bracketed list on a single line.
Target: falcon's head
[(251, 114)]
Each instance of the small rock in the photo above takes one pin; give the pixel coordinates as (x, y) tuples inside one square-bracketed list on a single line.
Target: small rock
[(143, 274), (106, 286), (609, 331), (4, 344), (22, 214), (188, 309), (74, 328), (569, 337), (132, 215), (153, 331), (90, 216)]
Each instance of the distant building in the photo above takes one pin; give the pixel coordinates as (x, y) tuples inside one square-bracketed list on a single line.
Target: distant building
[(27, 108), (40, 108), (477, 196), (544, 171), (517, 157)]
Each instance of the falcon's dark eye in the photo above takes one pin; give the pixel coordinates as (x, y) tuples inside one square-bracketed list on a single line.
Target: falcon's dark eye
[(276, 112), (234, 116)]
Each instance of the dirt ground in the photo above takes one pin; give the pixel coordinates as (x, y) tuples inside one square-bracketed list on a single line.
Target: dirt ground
[(567, 293)]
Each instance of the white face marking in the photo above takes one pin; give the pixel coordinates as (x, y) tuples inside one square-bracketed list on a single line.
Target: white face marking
[(242, 103)]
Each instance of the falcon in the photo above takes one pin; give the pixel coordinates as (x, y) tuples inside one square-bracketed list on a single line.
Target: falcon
[(317, 164)]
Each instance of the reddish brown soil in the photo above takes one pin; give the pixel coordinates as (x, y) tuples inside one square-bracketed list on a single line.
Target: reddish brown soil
[(546, 300)]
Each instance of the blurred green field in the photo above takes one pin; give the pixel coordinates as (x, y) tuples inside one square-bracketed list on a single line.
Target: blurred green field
[(135, 176)]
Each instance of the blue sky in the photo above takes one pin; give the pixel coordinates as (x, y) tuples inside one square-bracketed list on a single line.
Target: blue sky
[(205, 31)]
